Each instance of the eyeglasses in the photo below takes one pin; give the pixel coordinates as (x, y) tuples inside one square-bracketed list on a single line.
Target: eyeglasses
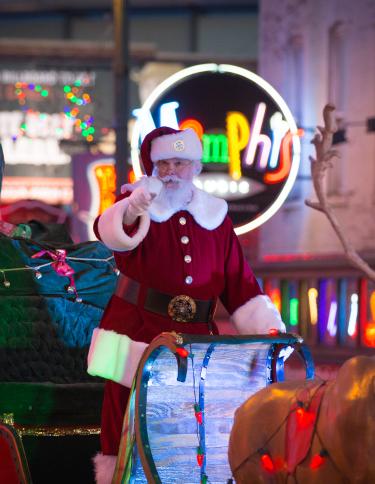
[(176, 163)]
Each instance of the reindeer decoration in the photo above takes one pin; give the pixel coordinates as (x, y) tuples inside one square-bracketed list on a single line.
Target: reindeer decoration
[(312, 431)]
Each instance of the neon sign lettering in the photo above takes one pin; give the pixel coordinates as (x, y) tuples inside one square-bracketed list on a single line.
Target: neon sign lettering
[(258, 146), (215, 148)]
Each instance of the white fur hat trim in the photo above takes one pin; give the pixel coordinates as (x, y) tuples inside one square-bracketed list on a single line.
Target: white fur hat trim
[(185, 145)]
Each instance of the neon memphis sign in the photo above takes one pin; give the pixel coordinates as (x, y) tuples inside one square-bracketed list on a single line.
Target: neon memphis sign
[(251, 146)]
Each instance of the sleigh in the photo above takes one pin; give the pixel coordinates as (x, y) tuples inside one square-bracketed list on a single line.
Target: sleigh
[(183, 400)]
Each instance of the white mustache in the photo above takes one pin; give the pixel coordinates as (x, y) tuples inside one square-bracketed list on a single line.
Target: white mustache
[(170, 178)]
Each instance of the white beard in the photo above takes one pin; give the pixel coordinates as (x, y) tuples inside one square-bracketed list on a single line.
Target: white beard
[(174, 197)]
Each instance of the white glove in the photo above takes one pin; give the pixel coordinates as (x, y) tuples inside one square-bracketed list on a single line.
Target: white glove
[(139, 201), (143, 193)]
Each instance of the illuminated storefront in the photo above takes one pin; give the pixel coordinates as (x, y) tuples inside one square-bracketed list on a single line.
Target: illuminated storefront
[(40, 111)]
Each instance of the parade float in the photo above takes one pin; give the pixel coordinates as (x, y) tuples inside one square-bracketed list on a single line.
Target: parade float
[(182, 418)]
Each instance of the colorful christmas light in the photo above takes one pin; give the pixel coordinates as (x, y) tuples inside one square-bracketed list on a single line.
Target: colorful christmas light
[(200, 457), (304, 417), (198, 414), (266, 461), (83, 125), (21, 87), (182, 352), (318, 460), (59, 265)]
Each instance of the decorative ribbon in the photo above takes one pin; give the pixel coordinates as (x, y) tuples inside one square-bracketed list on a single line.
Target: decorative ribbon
[(60, 266)]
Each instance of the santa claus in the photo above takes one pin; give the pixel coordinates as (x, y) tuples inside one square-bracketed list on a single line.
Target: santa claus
[(177, 252)]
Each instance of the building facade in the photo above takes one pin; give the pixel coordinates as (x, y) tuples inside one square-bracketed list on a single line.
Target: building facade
[(315, 52)]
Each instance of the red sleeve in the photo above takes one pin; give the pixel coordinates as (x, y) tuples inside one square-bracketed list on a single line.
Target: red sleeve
[(240, 282)]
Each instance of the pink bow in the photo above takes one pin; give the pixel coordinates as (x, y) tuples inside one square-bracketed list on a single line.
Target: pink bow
[(60, 266)]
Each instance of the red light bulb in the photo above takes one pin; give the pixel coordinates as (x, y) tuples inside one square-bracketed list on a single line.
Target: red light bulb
[(200, 457), (267, 463), (318, 460), (182, 352)]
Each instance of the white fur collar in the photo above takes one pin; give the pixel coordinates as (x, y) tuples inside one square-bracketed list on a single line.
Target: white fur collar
[(208, 211)]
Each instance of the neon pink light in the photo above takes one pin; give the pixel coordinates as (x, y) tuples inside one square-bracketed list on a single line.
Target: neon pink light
[(256, 138)]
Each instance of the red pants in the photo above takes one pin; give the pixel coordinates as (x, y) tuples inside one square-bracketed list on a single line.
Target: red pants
[(114, 406)]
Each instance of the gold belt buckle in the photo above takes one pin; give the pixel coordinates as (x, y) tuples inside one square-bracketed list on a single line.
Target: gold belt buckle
[(182, 308)]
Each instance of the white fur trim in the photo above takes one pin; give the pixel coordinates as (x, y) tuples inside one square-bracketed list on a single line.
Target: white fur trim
[(111, 230), (208, 211), (257, 316), (185, 145), (104, 466), (114, 356)]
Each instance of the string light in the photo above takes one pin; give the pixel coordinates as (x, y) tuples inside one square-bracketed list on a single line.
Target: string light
[(318, 460), (82, 124), (38, 274), (198, 414), (21, 87), (182, 352), (266, 461), (200, 456), (199, 411), (304, 417), (6, 283), (59, 266)]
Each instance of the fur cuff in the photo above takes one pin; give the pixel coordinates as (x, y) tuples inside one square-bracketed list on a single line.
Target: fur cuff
[(110, 227), (104, 466), (114, 356), (257, 316)]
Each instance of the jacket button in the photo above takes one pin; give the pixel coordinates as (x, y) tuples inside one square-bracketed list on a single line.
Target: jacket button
[(182, 220), (187, 259), (188, 279), (185, 239)]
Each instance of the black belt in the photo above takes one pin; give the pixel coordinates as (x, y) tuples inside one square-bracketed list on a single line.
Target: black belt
[(180, 308)]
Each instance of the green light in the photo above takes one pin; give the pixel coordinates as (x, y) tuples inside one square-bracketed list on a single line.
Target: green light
[(293, 312), (67, 89), (44, 93), (38, 88), (215, 148), (78, 82), (91, 130), (85, 132)]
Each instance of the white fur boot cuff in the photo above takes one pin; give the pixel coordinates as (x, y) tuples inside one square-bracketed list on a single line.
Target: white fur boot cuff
[(104, 466)]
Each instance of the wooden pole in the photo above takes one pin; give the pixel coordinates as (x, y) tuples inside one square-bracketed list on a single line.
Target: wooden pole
[(121, 89)]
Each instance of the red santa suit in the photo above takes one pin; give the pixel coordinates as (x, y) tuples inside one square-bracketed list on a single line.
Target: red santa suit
[(192, 252)]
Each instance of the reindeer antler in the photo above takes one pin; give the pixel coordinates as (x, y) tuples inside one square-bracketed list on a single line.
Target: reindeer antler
[(319, 166)]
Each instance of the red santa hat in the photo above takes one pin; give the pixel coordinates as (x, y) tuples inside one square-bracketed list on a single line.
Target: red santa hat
[(163, 143)]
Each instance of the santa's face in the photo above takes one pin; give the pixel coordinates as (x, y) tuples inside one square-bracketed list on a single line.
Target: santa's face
[(173, 171)]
